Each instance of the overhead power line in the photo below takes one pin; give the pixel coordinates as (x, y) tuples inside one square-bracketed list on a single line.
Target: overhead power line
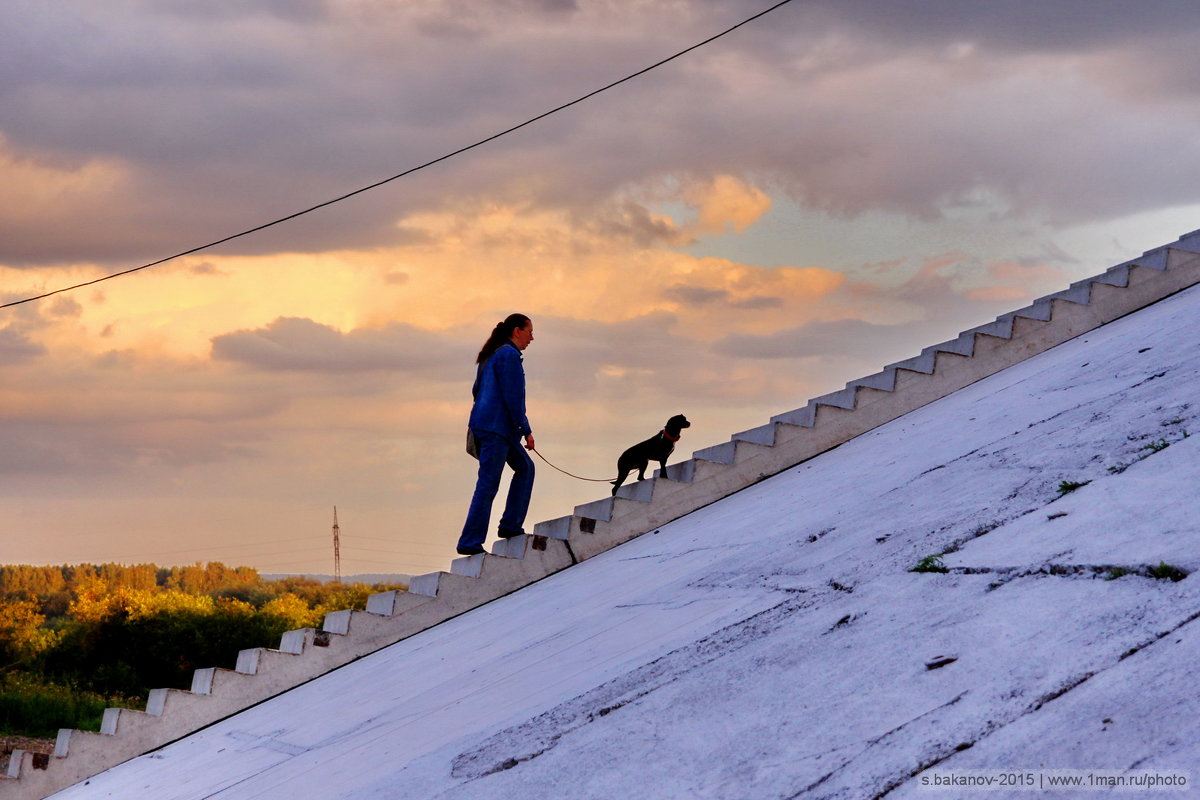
[(397, 176)]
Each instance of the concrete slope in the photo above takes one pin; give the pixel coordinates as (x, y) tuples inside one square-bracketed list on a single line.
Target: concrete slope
[(776, 643)]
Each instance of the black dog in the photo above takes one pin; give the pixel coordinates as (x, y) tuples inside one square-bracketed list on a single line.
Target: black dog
[(657, 448)]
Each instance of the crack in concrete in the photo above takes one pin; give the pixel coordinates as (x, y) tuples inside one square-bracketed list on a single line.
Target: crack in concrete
[(1106, 572), (872, 743), (946, 752)]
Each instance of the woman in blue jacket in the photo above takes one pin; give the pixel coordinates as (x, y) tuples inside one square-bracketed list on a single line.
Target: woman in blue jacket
[(498, 422)]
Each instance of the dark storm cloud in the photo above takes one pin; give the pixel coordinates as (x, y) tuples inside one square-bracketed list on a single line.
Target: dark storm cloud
[(217, 121)]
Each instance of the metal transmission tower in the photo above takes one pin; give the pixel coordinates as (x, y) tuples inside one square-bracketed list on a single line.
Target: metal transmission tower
[(337, 549)]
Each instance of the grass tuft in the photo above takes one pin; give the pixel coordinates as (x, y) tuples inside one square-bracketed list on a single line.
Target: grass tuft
[(930, 564), (1167, 572), (1066, 487)]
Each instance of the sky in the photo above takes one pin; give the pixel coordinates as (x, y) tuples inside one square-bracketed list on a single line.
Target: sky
[(824, 191)]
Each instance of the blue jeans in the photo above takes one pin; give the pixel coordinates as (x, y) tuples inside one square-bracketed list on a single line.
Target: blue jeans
[(494, 452)]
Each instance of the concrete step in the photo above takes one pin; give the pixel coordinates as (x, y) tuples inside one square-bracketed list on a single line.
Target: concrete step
[(718, 454), (641, 491), (469, 566), (1078, 293), (1189, 242), (681, 472), (764, 435)]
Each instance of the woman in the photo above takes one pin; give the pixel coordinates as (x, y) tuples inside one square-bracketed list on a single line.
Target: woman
[(498, 422)]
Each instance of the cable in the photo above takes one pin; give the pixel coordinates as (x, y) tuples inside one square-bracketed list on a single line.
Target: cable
[(410, 171), (564, 472)]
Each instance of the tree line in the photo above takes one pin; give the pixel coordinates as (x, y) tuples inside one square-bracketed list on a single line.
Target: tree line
[(75, 639)]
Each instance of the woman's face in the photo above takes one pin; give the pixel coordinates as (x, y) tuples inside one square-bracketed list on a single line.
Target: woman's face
[(521, 337)]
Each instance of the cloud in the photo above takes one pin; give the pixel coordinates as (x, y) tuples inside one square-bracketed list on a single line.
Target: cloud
[(700, 297), (1011, 281), (295, 344), (634, 224), (843, 337), (939, 300), (136, 130), (727, 203), (695, 295), (16, 347), (89, 425), (205, 268), (101, 454), (1064, 26), (65, 306), (759, 303), (45, 195)]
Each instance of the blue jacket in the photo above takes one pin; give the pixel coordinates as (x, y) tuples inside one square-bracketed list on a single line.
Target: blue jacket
[(499, 393)]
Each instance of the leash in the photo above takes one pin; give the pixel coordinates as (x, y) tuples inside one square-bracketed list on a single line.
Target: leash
[(564, 472)]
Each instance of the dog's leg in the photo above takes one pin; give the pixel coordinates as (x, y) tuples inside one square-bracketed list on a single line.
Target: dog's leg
[(620, 479), (663, 466)]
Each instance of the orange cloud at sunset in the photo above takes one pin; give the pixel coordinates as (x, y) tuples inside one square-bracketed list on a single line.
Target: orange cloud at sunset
[(461, 268), (727, 203)]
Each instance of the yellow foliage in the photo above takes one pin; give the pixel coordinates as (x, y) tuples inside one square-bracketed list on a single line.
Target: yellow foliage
[(95, 601), (21, 633), (293, 610)]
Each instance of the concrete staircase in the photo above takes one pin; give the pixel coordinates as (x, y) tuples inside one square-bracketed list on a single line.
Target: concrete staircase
[(710, 475)]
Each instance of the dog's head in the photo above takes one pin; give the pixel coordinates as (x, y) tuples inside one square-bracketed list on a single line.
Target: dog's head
[(678, 423)]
